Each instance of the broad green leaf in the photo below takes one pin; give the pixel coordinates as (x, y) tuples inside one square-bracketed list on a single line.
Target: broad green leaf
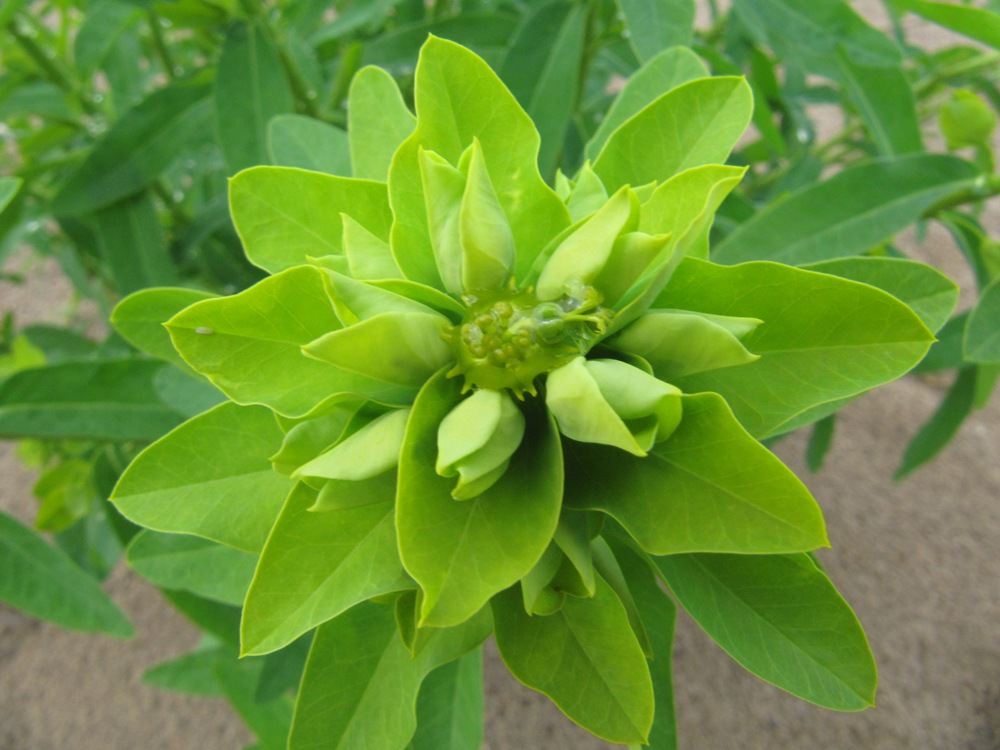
[(103, 24), (665, 71), (822, 339), (684, 497), (542, 69), (108, 399), (250, 89), (140, 145), (179, 561), (270, 721), (132, 244), (317, 565), (655, 24), (192, 674), (41, 580), (924, 289), (378, 122), (220, 484), (976, 23), (659, 615), (307, 143), (935, 434), (847, 214), (250, 345), (696, 123), (285, 216), (982, 332), (885, 101), (139, 319), (218, 621), (781, 618), (458, 98), (946, 353), (584, 657), (809, 32), (282, 671), (462, 553), (8, 189), (450, 706), (361, 683)]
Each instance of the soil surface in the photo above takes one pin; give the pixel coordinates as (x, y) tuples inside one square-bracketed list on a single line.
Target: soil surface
[(917, 559)]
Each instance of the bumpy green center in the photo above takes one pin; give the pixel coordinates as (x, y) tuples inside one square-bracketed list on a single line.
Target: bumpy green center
[(508, 338)]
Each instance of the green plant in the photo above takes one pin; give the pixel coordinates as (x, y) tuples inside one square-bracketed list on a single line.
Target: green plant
[(465, 402)]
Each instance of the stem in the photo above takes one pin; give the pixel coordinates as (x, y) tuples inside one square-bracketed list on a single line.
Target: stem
[(53, 68), (986, 187), (349, 60), (176, 212), (160, 45)]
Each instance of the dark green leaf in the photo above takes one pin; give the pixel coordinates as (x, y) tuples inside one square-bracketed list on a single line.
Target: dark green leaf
[(450, 706), (193, 673), (104, 23), (656, 24), (982, 332), (270, 721), (306, 143), (885, 102), (819, 442), (132, 244), (977, 23)]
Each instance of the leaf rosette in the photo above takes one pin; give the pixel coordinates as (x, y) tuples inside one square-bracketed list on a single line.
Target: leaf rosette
[(492, 405)]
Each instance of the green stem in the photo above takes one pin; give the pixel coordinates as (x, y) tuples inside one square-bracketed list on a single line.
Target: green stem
[(52, 67), (350, 58), (986, 187), (160, 45), (176, 212)]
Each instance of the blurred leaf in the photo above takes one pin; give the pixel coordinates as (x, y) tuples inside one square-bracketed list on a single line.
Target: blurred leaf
[(180, 561), (982, 332), (656, 24), (41, 580), (847, 214), (132, 244), (820, 441), (667, 70), (355, 16), (808, 33), (270, 721), (137, 149), (886, 103), (975, 23), (781, 618), (112, 399), (542, 70), (946, 353), (67, 494), (192, 674), (938, 431), (307, 143), (104, 22), (250, 89), (140, 318), (219, 620), (966, 120), (450, 706), (8, 189)]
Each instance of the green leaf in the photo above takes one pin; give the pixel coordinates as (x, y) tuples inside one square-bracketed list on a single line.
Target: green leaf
[(976, 23), (822, 339), (270, 721), (103, 24), (8, 189), (193, 673), (361, 683), (41, 580), (220, 484), (820, 441), (683, 497), (448, 75), (139, 319), (663, 72), (307, 143), (808, 33), (450, 706), (179, 561), (886, 104), (696, 123), (982, 332), (132, 244), (847, 214), (285, 216), (137, 149), (220, 621), (935, 434), (378, 122), (462, 553), (584, 657), (109, 399), (250, 345), (250, 89), (657, 24), (924, 289), (317, 565), (487, 33), (781, 618), (542, 69)]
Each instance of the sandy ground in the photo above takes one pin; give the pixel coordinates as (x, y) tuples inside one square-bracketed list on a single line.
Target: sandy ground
[(917, 560)]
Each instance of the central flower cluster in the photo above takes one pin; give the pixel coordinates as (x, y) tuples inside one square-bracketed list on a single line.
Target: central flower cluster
[(508, 338)]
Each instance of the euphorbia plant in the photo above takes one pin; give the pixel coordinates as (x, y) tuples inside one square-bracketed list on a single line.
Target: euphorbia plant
[(466, 402)]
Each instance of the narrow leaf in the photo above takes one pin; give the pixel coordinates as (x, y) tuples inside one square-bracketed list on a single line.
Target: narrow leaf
[(982, 332), (656, 24)]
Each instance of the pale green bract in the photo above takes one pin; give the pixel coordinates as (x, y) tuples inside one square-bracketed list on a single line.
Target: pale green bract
[(485, 403)]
